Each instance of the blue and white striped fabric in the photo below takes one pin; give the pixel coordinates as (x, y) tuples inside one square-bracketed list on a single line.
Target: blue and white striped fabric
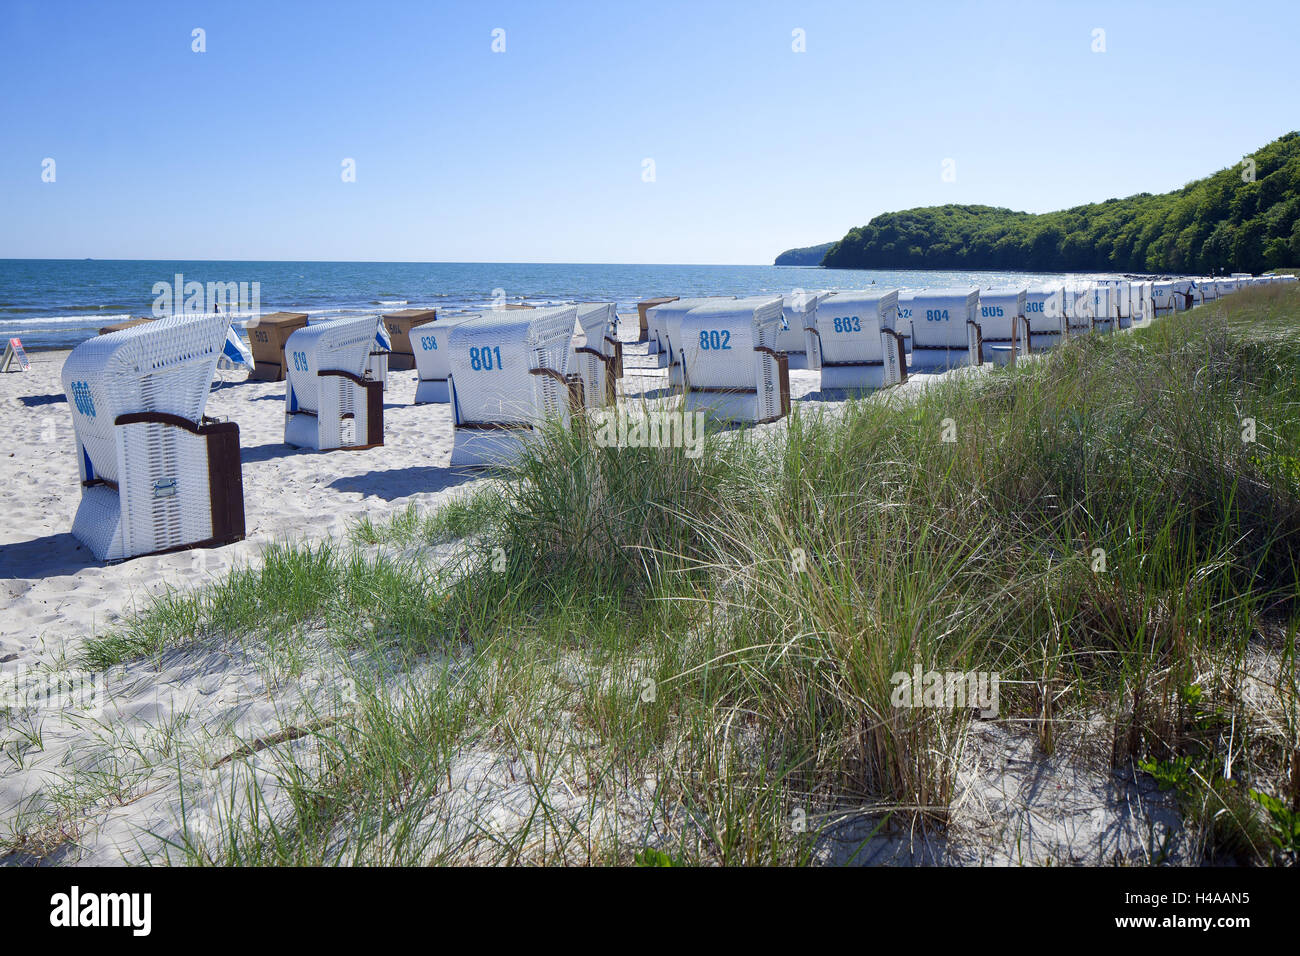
[(235, 352), (382, 339)]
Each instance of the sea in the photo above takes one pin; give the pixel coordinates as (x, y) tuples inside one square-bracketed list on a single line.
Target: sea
[(57, 303)]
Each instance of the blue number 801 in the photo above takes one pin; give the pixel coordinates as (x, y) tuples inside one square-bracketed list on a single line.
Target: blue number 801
[(485, 359)]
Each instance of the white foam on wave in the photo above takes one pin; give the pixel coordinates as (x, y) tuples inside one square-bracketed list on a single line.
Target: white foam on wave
[(95, 320)]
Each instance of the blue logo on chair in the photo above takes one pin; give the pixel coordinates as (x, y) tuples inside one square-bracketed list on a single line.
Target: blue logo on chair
[(81, 397)]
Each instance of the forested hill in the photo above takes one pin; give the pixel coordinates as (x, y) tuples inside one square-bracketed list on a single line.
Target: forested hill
[(807, 256), (1223, 222)]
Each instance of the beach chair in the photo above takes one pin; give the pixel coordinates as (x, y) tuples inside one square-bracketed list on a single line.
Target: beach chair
[(1004, 329), (1140, 305), (597, 354), (665, 321), (904, 323), (401, 357), (1207, 290), (1103, 309), (267, 335), (1045, 312), (125, 324), (733, 371), (945, 330), (508, 373), (855, 335), (798, 317), (432, 358), (329, 402), (1164, 298), (1080, 309), (1120, 302), (1184, 294), (1226, 286), (643, 318), (156, 475)]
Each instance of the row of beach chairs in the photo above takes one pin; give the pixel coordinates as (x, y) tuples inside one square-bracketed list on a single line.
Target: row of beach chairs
[(158, 475)]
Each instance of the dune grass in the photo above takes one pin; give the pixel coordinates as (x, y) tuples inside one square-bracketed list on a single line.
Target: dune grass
[(1114, 529)]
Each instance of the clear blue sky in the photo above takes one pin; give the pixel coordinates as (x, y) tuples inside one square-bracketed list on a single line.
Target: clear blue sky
[(535, 154)]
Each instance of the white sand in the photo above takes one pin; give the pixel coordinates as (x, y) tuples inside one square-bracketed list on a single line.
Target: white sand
[(195, 705), (56, 594)]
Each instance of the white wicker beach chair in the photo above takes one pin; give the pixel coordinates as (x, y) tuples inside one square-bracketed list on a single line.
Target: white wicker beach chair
[(856, 336), (597, 354), (328, 400), (155, 474), (798, 335), (1004, 330), (1207, 290), (1080, 308), (377, 364), (1140, 305), (665, 325), (509, 372), (1103, 307), (903, 325), (945, 329), (1184, 294), (430, 343), (1045, 310), (1164, 298), (732, 368), (1119, 303), (1226, 286)]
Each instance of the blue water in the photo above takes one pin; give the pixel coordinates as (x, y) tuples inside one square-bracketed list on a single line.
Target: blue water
[(56, 303)]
